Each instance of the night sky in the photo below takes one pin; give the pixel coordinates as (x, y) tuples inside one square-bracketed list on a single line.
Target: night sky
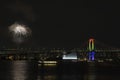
[(62, 23)]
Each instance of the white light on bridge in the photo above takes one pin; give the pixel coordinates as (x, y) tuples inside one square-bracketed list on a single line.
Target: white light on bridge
[(70, 56)]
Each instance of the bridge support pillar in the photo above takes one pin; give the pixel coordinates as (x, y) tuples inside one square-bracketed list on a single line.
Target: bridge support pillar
[(91, 56)]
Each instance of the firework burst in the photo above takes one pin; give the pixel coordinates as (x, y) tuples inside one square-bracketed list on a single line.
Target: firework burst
[(19, 32)]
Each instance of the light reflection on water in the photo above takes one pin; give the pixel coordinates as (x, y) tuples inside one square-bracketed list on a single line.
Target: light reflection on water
[(19, 70), (91, 72), (47, 77), (24, 70)]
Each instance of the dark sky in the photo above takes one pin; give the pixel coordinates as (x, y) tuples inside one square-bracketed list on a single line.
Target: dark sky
[(66, 23)]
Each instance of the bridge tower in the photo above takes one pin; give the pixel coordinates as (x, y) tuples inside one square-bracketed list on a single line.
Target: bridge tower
[(91, 49), (91, 45)]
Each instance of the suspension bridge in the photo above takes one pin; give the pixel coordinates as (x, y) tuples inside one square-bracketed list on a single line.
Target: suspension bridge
[(91, 50)]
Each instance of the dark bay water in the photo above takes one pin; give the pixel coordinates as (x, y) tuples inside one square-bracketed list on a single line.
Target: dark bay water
[(29, 70)]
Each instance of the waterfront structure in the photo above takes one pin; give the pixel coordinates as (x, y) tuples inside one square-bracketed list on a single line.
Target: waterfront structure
[(91, 51), (91, 48)]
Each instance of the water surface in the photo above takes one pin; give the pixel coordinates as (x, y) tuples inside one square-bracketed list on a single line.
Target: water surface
[(29, 70)]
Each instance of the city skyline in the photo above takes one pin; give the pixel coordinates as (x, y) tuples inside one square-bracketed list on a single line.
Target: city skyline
[(61, 23)]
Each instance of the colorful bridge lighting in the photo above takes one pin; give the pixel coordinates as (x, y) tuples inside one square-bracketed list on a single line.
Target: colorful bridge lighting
[(91, 55), (91, 44), (91, 48)]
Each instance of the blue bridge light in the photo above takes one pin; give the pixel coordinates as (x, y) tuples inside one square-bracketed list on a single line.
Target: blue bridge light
[(92, 55)]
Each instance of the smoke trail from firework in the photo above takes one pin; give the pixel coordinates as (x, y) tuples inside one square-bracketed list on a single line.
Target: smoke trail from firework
[(19, 32)]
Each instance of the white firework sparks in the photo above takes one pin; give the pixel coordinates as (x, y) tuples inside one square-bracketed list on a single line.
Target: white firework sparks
[(19, 32)]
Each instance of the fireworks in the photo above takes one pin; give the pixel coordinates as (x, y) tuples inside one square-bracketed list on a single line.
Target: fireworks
[(19, 32)]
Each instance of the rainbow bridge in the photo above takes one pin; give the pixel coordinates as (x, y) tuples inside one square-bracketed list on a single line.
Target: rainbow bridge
[(91, 50)]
